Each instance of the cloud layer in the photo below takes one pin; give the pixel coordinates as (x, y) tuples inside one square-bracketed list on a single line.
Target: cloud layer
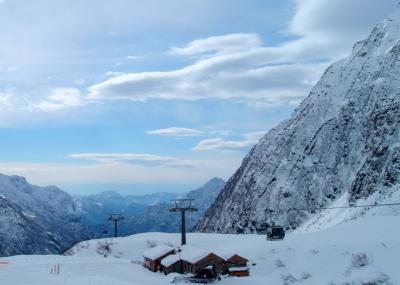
[(234, 66), (240, 66), (248, 140), (176, 132), (134, 158)]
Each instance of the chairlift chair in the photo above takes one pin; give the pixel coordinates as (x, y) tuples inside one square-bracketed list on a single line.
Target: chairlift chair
[(275, 233)]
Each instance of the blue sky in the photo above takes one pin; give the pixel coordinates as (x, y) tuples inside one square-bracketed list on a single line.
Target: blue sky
[(144, 96)]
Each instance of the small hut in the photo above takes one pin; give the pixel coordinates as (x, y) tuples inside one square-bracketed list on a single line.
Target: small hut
[(237, 260), (236, 265), (153, 257)]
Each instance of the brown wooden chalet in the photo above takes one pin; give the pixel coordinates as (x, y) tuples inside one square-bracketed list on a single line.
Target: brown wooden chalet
[(237, 260), (152, 257), (199, 263), (192, 260), (236, 265)]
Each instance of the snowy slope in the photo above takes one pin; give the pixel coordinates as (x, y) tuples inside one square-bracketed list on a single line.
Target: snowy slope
[(36, 220), (360, 251), (343, 139)]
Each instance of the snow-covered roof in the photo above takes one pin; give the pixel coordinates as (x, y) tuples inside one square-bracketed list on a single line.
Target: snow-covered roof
[(157, 251), (169, 260), (192, 254), (244, 268)]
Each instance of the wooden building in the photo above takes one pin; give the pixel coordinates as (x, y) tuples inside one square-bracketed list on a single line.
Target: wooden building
[(237, 260), (153, 257), (192, 260), (236, 265)]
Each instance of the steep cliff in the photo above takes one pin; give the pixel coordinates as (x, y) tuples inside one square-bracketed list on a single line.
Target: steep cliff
[(343, 140)]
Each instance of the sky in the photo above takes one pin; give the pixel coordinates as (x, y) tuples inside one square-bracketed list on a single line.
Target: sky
[(154, 96)]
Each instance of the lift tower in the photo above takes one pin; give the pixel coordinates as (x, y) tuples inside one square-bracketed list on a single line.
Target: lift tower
[(116, 218), (183, 206)]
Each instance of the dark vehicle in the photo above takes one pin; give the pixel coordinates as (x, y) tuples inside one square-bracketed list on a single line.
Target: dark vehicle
[(275, 233)]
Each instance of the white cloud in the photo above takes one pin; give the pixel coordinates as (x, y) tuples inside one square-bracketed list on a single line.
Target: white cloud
[(60, 98), (134, 158), (6, 102), (241, 66), (120, 173), (249, 139), (220, 44), (176, 132)]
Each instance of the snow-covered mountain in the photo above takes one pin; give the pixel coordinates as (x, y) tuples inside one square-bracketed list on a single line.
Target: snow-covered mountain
[(342, 142), (36, 220), (96, 208), (158, 218), (143, 213)]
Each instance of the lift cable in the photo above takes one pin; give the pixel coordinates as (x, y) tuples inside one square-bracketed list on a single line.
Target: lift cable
[(339, 207)]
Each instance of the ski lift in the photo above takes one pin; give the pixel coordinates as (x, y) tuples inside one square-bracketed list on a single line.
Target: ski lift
[(275, 233)]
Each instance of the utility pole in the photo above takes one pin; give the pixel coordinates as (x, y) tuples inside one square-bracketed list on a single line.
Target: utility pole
[(183, 206), (115, 218)]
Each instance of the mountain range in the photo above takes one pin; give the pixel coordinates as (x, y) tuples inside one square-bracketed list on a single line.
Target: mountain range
[(143, 213)]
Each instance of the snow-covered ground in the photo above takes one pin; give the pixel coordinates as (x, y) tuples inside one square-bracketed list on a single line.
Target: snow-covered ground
[(358, 252)]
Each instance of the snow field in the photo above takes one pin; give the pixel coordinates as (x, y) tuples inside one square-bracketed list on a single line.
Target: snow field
[(359, 251)]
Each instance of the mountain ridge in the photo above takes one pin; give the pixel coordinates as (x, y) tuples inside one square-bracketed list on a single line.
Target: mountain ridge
[(36, 220)]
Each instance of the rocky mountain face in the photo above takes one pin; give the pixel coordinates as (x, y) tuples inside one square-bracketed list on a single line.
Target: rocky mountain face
[(343, 139), (157, 218), (36, 220)]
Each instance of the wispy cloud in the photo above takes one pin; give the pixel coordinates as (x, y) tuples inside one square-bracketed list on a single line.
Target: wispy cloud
[(242, 67), (61, 98), (176, 132), (247, 71), (219, 44), (249, 139), (134, 158)]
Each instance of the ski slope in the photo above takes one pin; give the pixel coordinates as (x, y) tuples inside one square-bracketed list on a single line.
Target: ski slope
[(359, 251)]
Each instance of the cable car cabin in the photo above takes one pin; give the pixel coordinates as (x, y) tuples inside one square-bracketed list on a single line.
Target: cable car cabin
[(275, 233)]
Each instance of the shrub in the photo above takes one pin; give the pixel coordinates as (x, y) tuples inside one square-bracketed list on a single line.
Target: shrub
[(104, 247), (279, 263), (288, 279), (359, 260)]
